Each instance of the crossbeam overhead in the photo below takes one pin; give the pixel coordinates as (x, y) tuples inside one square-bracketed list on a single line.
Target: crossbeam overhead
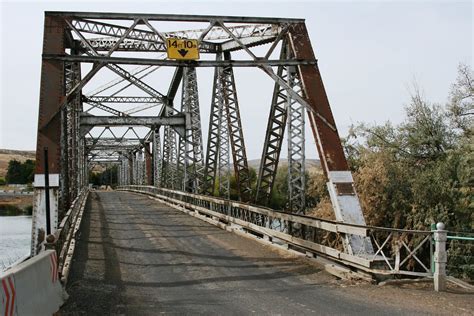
[(121, 99), (90, 120), (170, 17), (178, 63)]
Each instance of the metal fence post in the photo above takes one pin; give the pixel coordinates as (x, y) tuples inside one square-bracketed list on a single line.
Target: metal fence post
[(440, 258)]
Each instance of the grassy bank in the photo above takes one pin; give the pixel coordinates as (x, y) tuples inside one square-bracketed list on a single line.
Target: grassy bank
[(16, 205), (13, 210)]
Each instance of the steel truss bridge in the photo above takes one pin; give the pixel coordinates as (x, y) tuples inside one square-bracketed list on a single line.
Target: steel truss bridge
[(163, 153)]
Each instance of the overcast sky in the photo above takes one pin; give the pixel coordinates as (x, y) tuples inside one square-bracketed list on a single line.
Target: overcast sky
[(369, 54)]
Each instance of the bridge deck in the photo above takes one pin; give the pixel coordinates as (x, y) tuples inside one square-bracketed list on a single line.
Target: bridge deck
[(137, 256)]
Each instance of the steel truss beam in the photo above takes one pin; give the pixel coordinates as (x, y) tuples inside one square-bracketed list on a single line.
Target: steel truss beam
[(177, 63), (105, 108), (110, 161), (152, 121), (239, 155), (115, 68), (135, 45), (135, 81), (136, 38), (170, 159), (112, 140), (213, 138), (217, 170), (94, 27), (218, 33), (251, 34), (341, 188), (70, 139), (296, 147), (142, 71), (114, 148), (171, 17), (327, 138), (157, 159), (273, 138), (63, 124), (190, 156), (224, 151), (121, 99)]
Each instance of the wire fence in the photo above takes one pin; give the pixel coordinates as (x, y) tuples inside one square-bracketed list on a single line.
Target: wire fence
[(460, 251)]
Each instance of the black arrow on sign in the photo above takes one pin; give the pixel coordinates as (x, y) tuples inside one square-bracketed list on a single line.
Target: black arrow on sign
[(183, 52)]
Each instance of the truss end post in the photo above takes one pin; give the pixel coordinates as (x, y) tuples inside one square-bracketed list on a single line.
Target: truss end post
[(348, 210)]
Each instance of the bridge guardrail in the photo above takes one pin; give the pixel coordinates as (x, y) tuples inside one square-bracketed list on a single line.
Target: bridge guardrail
[(32, 287), (397, 251), (64, 241)]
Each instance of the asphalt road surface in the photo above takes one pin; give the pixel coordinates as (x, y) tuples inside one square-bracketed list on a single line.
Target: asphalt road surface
[(136, 256)]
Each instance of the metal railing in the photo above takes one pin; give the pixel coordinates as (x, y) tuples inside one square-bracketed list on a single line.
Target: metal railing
[(396, 251), (460, 255), (64, 241), (403, 251)]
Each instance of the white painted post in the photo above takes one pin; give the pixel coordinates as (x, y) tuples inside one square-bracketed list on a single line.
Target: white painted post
[(267, 225), (38, 233), (440, 258)]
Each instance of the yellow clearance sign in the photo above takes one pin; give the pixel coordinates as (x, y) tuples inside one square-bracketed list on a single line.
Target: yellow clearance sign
[(182, 49)]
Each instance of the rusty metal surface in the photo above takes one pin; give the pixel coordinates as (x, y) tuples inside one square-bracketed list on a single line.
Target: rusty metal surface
[(51, 96), (148, 165), (328, 141), (170, 17)]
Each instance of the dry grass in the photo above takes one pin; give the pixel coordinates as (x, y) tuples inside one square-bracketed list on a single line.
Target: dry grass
[(6, 155), (18, 201)]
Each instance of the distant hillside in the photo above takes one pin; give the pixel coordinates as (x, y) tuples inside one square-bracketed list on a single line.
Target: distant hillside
[(21, 155), (310, 163), (9, 154)]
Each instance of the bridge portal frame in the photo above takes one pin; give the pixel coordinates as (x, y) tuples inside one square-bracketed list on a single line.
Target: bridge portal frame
[(65, 47)]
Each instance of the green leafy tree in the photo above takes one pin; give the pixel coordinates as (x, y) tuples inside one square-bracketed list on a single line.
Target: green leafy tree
[(461, 105), (28, 171), (20, 173), (421, 171), (106, 177)]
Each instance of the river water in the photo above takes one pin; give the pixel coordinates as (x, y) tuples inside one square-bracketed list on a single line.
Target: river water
[(15, 239)]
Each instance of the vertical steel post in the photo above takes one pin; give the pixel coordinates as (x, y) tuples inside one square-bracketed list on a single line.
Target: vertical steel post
[(182, 164), (157, 159), (195, 153), (46, 194), (236, 135), (64, 179), (213, 138), (148, 165), (190, 157), (224, 153), (296, 147), (131, 172), (273, 137), (170, 160)]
